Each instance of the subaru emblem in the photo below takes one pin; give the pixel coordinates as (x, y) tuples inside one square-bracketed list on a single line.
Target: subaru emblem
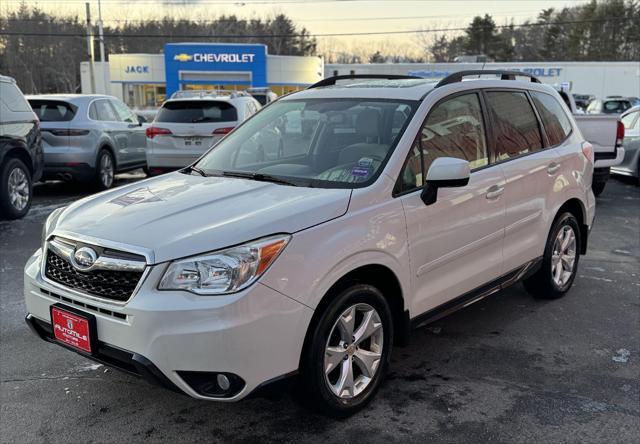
[(84, 258)]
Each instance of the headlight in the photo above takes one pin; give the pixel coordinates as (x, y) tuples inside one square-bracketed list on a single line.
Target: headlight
[(51, 222), (226, 271)]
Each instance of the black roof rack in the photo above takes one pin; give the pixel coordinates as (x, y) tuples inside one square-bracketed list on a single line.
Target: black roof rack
[(504, 75), (329, 81)]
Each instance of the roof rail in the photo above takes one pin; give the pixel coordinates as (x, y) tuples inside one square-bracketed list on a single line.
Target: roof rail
[(329, 81), (504, 75)]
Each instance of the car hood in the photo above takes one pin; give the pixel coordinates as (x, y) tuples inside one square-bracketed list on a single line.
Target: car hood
[(178, 215)]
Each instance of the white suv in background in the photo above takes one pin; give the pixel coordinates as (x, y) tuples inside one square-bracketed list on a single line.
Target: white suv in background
[(388, 204), (190, 123)]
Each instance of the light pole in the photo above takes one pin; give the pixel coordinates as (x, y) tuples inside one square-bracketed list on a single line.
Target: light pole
[(101, 40)]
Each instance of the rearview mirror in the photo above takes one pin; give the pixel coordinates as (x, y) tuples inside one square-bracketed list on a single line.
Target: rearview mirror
[(141, 119), (444, 172)]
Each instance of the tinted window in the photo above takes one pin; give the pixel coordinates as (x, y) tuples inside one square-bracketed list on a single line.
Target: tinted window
[(12, 97), (615, 106), (556, 123), (454, 128), (53, 110), (515, 124), (102, 110), (186, 111), (262, 98)]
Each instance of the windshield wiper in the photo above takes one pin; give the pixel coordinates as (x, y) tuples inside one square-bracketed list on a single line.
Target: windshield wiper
[(197, 170), (259, 177)]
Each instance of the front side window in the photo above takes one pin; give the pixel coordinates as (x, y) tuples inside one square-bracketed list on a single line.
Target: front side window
[(197, 111), (555, 121), (124, 112), (338, 143), (515, 124), (454, 128)]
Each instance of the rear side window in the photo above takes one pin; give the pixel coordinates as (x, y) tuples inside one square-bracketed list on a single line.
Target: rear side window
[(515, 124), (200, 111), (13, 98), (103, 111), (53, 110), (556, 123), (631, 120)]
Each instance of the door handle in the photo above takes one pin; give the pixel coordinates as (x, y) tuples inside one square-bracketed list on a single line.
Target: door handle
[(553, 168), (494, 192)]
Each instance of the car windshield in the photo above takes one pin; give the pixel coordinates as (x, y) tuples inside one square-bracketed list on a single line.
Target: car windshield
[(337, 143), (197, 111)]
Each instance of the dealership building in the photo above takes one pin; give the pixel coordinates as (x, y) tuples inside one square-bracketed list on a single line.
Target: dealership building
[(145, 80), (598, 78)]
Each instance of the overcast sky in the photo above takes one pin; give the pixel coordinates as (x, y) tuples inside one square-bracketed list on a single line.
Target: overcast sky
[(323, 16)]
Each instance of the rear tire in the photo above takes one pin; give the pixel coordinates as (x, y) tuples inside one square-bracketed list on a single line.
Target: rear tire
[(598, 187), (105, 170), (16, 189), (560, 260), (352, 340)]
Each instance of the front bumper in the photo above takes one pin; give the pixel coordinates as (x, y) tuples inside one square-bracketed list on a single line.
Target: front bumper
[(256, 334)]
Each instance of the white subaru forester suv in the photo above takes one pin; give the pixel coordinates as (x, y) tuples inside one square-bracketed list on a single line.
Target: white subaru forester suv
[(313, 236)]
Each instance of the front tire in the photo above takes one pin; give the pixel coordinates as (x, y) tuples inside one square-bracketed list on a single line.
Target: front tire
[(16, 189), (560, 260), (105, 170), (349, 351)]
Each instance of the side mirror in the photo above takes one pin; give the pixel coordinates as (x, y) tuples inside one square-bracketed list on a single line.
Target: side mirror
[(141, 119), (444, 172)]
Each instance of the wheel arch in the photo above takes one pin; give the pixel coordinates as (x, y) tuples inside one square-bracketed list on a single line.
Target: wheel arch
[(378, 275), (17, 152), (576, 207), (107, 146)]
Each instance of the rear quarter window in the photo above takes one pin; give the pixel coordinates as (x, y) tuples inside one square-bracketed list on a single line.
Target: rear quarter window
[(53, 110), (201, 111), (13, 98), (615, 106), (556, 123)]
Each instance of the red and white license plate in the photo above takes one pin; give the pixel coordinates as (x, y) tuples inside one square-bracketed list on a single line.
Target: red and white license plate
[(72, 328)]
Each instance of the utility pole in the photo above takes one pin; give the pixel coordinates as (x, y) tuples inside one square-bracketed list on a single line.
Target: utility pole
[(101, 40), (90, 49)]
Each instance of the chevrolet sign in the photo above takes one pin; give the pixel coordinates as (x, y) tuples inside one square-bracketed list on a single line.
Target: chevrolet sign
[(215, 58)]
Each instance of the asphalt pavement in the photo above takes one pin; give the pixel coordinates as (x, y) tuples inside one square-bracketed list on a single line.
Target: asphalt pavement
[(509, 368)]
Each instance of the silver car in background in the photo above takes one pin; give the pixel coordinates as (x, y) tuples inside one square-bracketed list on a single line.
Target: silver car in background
[(88, 137), (630, 165), (190, 123)]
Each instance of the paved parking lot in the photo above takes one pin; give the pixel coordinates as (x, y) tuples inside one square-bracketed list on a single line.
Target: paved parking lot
[(507, 369)]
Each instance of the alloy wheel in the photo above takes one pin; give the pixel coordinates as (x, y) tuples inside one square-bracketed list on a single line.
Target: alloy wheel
[(563, 258), (18, 189), (353, 351), (106, 170)]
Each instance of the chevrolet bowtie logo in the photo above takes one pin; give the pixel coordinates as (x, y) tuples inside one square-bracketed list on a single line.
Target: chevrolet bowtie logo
[(183, 57)]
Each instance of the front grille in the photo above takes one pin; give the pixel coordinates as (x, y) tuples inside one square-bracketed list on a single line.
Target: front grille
[(113, 285)]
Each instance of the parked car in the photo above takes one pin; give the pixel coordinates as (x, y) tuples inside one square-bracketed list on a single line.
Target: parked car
[(21, 157), (263, 95), (408, 200), (88, 137), (610, 105), (190, 123), (583, 100), (630, 165), (605, 133)]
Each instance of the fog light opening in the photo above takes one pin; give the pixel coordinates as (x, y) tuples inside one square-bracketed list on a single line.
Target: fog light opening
[(213, 384)]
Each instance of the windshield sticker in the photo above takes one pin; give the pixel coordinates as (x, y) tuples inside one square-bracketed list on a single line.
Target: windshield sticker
[(359, 171), (365, 162)]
